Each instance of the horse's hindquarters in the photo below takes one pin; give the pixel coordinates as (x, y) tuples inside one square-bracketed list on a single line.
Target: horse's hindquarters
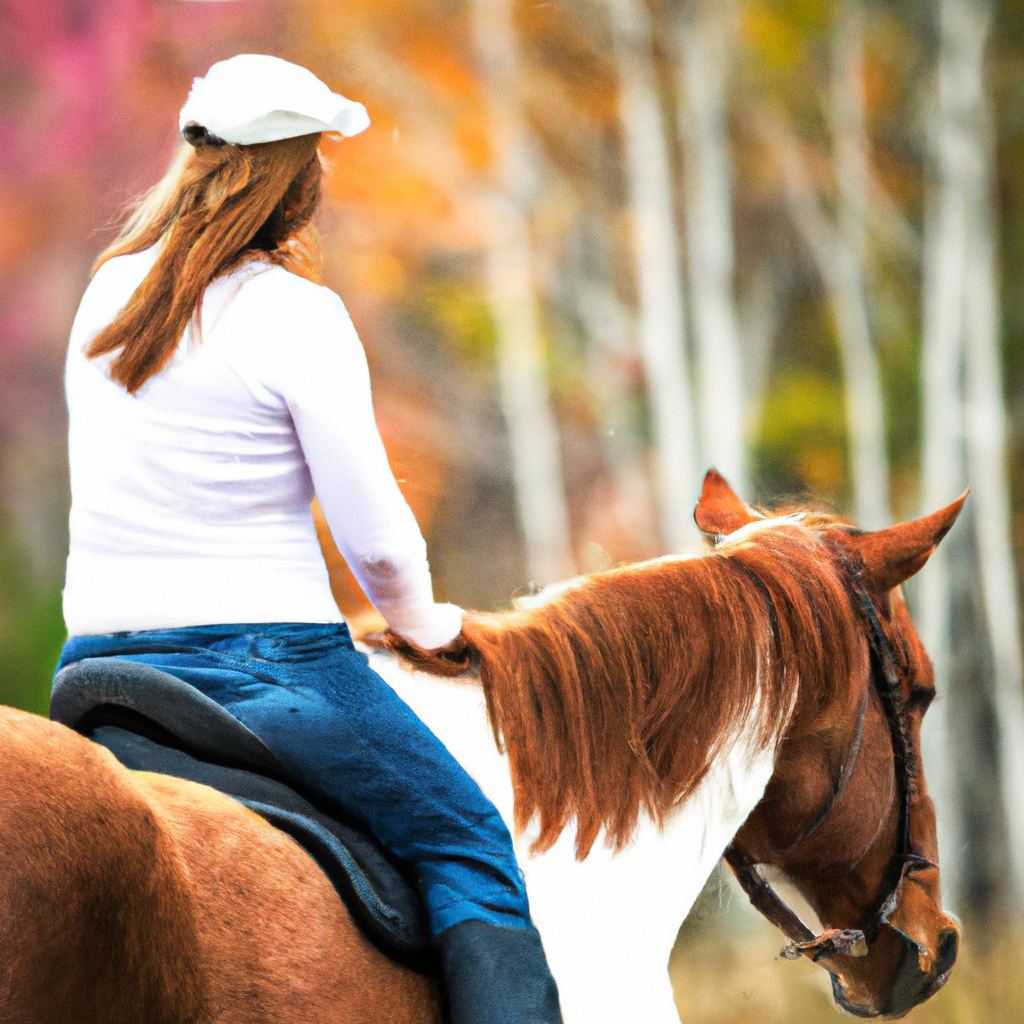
[(128, 897), (94, 914), (270, 921)]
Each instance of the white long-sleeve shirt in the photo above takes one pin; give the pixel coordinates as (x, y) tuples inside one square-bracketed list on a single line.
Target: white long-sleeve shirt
[(190, 500)]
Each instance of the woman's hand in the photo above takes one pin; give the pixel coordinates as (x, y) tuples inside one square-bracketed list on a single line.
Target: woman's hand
[(456, 657)]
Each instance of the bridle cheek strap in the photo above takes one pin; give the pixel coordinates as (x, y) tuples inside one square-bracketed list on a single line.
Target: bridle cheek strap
[(845, 941), (831, 942)]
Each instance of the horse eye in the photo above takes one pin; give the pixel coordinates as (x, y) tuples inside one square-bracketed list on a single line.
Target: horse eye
[(920, 697)]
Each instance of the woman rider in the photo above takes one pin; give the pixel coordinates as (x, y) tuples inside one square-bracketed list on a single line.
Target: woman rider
[(213, 387)]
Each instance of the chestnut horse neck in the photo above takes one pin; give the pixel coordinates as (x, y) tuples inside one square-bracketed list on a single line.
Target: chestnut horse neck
[(885, 683), (594, 686)]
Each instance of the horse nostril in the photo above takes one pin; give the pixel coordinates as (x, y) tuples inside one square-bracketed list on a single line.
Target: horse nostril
[(949, 944)]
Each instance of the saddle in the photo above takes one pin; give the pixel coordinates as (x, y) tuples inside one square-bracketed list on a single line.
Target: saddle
[(152, 721)]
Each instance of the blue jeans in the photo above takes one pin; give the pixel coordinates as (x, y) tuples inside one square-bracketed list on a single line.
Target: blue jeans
[(344, 733)]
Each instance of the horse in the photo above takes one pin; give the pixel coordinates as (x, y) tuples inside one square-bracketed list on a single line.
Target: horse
[(762, 700)]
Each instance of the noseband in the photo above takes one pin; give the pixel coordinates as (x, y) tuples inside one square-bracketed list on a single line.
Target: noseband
[(885, 683)]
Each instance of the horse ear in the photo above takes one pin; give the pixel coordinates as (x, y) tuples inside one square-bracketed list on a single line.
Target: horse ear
[(892, 556), (720, 510)]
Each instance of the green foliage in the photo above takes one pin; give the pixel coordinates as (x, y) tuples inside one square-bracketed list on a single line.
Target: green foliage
[(801, 444), (781, 31), (31, 631), (457, 312)]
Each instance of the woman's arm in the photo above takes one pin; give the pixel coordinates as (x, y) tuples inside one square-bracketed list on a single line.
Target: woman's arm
[(328, 394)]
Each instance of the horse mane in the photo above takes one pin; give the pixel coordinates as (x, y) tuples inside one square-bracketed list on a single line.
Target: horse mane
[(613, 694)]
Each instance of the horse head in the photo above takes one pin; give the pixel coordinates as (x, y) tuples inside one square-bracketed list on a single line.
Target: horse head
[(846, 816)]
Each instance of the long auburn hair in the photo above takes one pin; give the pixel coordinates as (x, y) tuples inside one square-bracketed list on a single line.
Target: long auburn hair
[(218, 206), (614, 696)]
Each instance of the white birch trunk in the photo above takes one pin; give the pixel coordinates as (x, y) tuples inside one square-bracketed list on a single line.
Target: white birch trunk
[(943, 473), (843, 277), (610, 336), (521, 352), (760, 316), (865, 410), (840, 252), (968, 23), (662, 325), (609, 331), (986, 454), (704, 46), (962, 335)]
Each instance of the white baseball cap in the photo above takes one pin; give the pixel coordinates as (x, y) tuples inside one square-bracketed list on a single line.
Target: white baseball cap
[(253, 98)]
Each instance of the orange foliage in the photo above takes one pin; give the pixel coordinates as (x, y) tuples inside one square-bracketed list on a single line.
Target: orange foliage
[(19, 226), (439, 67)]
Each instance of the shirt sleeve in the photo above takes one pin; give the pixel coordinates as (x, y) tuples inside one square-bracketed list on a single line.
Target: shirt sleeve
[(327, 390)]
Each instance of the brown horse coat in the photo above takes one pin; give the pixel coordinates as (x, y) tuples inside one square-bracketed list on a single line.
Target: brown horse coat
[(122, 896)]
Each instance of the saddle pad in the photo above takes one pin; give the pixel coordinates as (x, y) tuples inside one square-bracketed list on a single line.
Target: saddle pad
[(379, 893)]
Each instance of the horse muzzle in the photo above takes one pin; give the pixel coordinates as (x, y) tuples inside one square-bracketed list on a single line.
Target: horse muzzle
[(917, 977)]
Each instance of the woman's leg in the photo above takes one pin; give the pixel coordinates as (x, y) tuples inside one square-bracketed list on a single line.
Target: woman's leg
[(344, 733)]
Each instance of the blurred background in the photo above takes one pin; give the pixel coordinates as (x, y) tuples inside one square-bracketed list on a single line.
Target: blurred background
[(592, 248)]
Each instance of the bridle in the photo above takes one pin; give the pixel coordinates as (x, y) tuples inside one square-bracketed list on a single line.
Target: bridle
[(885, 683)]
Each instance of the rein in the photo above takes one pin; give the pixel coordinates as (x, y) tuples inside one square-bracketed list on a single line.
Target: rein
[(885, 682)]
